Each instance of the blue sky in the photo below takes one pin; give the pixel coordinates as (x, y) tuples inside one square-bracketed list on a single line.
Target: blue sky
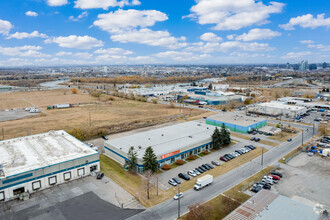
[(111, 32)]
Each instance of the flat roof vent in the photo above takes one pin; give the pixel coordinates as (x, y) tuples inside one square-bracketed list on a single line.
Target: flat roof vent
[(139, 147)]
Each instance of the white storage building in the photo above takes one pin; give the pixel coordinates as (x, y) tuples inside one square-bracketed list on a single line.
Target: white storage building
[(169, 143), (277, 109), (36, 162)]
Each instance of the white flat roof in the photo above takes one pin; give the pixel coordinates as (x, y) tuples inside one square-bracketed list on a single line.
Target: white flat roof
[(280, 105), (36, 151), (166, 139), (237, 119)]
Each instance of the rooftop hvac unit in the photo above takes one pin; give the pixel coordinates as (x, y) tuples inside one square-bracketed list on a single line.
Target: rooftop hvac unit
[(190, 136), (139, 147)]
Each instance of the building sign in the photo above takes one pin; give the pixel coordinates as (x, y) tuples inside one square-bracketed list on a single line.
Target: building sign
[(169, 154)]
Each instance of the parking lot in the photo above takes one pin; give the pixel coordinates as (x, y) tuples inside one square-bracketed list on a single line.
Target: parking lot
[(306, 179), (164, 177), (85, 198)]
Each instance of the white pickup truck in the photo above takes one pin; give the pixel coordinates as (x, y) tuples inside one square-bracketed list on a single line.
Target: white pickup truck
[(203, 181)]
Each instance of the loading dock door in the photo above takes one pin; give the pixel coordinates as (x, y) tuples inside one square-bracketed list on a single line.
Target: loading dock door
[(81, 172), (2, 196), (52, 180), (18, 191)]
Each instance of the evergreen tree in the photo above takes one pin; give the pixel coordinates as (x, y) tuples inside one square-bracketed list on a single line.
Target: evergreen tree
[(150, 160), (132, 158), (216, 139), (225, 135)]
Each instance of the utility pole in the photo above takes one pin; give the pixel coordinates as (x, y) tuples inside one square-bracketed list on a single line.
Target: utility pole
[(302, 137), (157, 185), (3, 134), (313, 129), (179, 201), (90, 122), (262, 157)]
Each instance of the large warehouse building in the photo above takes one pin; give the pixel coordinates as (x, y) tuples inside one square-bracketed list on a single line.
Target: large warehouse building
[(235, 122), (276, 109), (169, 143), (36, 162)]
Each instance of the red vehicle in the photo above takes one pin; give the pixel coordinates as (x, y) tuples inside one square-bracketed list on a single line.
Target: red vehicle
[(223, 159), (275, 177)]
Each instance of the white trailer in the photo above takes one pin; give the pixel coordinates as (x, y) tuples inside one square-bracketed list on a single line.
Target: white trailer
[(62, 106), (203, 181)]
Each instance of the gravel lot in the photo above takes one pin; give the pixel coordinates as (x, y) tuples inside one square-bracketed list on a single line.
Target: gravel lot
[(306, 179), (15, 114)]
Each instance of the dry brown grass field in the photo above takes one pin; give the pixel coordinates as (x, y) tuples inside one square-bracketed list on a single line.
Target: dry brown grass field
[(118, 115)]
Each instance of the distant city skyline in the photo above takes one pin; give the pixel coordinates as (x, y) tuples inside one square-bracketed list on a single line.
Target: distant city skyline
[(129, 32)]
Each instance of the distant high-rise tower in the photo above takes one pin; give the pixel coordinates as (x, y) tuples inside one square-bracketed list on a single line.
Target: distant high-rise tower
[(303, 65)]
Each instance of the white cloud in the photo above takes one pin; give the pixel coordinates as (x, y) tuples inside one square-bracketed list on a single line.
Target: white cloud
[(5, 26), (57, 2), (129, 26), (307, 21), (105, 4), (211, 37), (74, 41), (31, 13), (81, 16), (23, 51), (181, 56), (306, 41), (149, 37), (233, 14), (114, 51), (127, 19), (83, 55), (257, 34), (230, 46), (252, 55), (63, 53), (295, 55), (22, 35), (319, 47)]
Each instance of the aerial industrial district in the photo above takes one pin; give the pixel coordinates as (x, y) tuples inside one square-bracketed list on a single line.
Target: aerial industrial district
[(189, 143)]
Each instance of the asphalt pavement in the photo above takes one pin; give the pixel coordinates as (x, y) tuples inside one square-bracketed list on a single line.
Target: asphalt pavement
[(169, 208)]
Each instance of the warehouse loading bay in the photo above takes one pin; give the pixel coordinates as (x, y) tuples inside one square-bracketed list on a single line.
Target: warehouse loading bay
[(85, 198)]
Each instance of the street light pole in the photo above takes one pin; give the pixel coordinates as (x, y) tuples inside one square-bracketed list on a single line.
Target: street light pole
[(262, 157), (179, 201), (302, 137)]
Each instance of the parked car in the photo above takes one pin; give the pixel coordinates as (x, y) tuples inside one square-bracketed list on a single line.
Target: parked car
[(100, 176), (252, 147), (256, 189), (202, 168), (197, 172), (268, 181), (191, 173), (209, 165), (223, 158), (275, 177), (277, 174), (206, 167), (184, 176), (290, 139), (257, 139), (178, 196), (266, 186), (105, 137), (176, 180), (215, 163), (172, 182), (229, 156), (253, 138)]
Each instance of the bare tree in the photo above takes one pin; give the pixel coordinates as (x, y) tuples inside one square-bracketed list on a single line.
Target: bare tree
[(147, 183)]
